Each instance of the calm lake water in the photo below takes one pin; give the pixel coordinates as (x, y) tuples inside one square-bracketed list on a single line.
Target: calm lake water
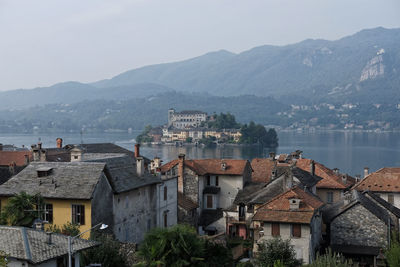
[(348, 151)]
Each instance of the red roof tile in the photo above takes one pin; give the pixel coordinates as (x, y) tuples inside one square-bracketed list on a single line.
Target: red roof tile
[(329, 178), (278, 208), (383, 180), (211, 166), (7, 157), (262, 169)]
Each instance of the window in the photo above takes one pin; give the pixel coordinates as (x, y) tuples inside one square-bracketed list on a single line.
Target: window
[(329, 197), (216, 180), (208, 180), (47, 214), (78, 214), (391, 199), (275, 229), (165, 219), (296, 230), (165, 193), (209, 202), (242, 214)]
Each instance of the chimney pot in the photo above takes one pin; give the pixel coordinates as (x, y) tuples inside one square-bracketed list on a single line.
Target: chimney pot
[(59, 142), (272, 155), (181, 160), (366, 171), (49, 238), (137, 150), (40, 145), (139, 166), (312, 168)]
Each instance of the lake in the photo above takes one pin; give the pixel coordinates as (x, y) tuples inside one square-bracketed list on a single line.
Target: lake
[(348, 151)]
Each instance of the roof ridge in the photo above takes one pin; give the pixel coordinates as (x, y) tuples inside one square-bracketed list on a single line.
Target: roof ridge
[(26, 244)]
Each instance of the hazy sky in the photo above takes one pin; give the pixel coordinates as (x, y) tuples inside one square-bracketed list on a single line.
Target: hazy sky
[(43, 42)]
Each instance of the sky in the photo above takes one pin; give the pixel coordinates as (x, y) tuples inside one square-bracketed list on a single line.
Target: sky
[(43, 42)]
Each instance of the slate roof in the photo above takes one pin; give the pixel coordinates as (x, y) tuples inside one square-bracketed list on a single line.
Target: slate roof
[(330, 179), (185, 202), (7, 157), (384, 203), (123, 176), (67, 180), (102, 148), (383, 180), (58, 155), (31, 245), (258, 193), (211, 166), (330, 213), (278, 209), (207, 216)]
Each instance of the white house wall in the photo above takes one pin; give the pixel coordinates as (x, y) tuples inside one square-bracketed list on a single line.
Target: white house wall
[(169, 206)]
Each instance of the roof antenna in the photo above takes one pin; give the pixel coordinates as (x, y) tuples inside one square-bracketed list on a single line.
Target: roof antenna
[(81, 132)]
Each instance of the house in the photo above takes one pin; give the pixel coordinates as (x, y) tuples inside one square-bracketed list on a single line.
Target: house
[(77, 192), (255, 195), (12, 161), (212, 184), (186, 118), (384, 182), (390, 209), (333, 184), (358, 227), (29, 247), (295, 215)]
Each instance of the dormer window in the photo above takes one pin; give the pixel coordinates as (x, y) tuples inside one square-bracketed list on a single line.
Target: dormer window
[(43, 172), (294, 203)]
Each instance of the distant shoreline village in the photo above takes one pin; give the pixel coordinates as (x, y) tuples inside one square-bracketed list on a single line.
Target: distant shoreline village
[(193, 127)]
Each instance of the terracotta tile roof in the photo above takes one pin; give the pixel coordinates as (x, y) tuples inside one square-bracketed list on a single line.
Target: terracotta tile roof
[(186, 203), (262, 169), (211, 166), (383, 180), (7, 157), (278, 208), (330, 178)]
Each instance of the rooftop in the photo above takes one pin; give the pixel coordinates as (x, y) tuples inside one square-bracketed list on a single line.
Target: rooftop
[(383, 180), (31, 245), (8, 157)]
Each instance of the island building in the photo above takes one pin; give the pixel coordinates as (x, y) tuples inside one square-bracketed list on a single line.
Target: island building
[(185, 119)]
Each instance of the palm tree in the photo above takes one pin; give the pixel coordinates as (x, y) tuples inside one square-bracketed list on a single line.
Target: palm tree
[(21, 209)]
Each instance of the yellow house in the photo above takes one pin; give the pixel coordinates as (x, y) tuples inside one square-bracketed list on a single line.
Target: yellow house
[(77, 192)]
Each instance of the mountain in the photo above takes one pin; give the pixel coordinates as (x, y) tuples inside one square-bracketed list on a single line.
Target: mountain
[(352, 68), (361, 68)]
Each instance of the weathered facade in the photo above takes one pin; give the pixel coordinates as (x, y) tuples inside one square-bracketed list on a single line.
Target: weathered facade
[(185, 119)]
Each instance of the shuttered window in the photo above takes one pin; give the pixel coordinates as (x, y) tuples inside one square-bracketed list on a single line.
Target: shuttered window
[(296, 230), (165, 193), (275, 229), (78, 214)]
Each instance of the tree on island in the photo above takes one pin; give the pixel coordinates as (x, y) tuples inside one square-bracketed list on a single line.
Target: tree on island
[(144, 137), (223, 121), (257, 134)]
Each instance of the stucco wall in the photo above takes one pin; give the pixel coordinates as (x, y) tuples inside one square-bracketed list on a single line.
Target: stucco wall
[(135, 213), (102, 203), (301, 245), (396, 198), (323, 194), (358, 226), (230, 186), (169, 206)]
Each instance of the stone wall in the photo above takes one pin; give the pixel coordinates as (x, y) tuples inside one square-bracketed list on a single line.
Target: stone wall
[(191, 185), (358, 226), (102, 203)]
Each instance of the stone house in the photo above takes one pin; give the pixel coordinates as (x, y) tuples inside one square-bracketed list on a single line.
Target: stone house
[(384, 183), (29, 247), (212, 184), (358, 227), (254, 195), (333, 184), (295, 215)]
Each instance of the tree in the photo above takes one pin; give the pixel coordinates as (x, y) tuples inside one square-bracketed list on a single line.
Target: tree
[(144, 136), (331, 259), (224, 121), (257, 134), (71, 229), (393, 253), (3, 259), (108, 253), (273, 250), (21, 210), (180, 246)]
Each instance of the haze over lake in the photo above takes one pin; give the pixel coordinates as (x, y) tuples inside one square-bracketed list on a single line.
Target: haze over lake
[(348, 151)]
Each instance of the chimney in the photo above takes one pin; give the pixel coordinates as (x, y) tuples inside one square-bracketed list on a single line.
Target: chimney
[(39, 145), (11, 168), (137, 150), (181, 160), (223, 165), (42, 155), (49, 239), (336, 170), (35, 153), (358, 178), (366, 171), (76, 154), (294, 203), (344, 178), (139, 166), (59, 142), (26, 160), (272, 155), (312, 167)]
